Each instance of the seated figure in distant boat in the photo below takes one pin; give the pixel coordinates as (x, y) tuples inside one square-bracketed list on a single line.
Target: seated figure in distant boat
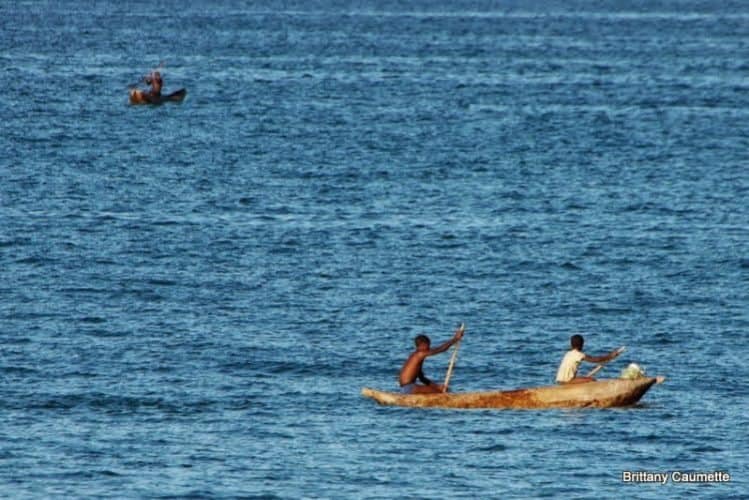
[(412, 368), (155, 81), (567, 373), (154, 95)]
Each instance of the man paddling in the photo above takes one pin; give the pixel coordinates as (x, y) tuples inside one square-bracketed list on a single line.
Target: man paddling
[(567, 373), (155, 81), (412, 368)]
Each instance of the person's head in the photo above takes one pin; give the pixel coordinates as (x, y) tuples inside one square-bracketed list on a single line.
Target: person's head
[(576, 341), (157, 76), (422, 340)]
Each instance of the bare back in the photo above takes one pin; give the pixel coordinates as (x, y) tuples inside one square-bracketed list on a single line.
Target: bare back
[(412, 367)]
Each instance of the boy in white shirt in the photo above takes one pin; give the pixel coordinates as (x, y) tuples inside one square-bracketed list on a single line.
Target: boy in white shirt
[(567, 373)]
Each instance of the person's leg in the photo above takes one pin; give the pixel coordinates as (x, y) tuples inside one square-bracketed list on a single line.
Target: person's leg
[(426, 389)]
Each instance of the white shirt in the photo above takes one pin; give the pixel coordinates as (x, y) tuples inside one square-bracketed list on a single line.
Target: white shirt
[(568, 367)]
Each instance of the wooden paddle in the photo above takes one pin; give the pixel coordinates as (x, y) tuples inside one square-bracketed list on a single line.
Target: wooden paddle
[(594, 371), (452, 360), (598, 367)]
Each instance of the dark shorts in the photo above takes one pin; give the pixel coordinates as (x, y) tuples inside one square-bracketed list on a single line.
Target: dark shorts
[(407, 389)]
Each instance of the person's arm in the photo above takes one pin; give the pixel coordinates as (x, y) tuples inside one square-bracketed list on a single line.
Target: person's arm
[(604, 358), (458, 335)]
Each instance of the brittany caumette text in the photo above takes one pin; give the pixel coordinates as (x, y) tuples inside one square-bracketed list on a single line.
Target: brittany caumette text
[(675, 476)]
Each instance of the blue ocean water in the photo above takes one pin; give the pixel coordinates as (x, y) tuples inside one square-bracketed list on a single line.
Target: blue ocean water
[(192, 296)]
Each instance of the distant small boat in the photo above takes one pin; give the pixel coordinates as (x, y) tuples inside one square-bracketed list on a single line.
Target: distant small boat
[(138, 96), (599, 394)]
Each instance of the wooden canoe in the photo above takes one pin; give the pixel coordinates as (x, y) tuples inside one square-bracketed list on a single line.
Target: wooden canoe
[(138, 96), (599, 394)]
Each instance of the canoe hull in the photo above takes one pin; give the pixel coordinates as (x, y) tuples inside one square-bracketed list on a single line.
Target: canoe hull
[(137, 96), (599, 394)]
